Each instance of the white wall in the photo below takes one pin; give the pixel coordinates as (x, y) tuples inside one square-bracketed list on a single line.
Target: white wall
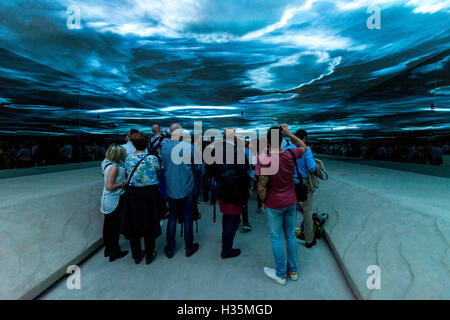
[(47, 222)]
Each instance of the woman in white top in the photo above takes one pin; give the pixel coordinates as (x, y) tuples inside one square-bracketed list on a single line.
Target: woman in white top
[(111, 201)]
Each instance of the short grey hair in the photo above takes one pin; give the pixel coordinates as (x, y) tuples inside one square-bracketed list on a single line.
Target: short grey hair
[(175, 126)]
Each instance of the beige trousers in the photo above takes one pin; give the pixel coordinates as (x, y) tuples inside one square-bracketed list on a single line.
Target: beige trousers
[(306, 208)]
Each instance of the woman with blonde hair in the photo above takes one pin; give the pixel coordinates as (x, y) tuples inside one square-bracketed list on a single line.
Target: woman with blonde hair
[(112, 201)]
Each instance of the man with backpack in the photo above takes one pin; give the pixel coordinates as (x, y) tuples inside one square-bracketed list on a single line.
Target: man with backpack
[(180, 186), (305, 164), (232, 191), (155, 144), (156, 141)]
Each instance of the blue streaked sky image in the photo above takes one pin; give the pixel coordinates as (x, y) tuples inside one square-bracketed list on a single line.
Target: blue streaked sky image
[(247, 64)]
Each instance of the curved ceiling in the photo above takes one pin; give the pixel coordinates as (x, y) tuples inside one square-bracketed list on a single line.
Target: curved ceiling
[(314, 64)]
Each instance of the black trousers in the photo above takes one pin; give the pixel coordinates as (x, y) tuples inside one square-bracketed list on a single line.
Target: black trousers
[(136, 249), (206, 185), (230, 224), (111, 228), (260, 203), (245, 214)]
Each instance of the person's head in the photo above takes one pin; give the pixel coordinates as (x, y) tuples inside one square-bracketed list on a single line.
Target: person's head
[(139, 141), (302, 134), (116, 153), (156, 129), (176, 131), (130, 133), (276, 131), (229, 132)]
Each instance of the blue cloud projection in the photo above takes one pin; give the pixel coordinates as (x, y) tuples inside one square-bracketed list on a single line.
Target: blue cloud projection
[(312, 63)]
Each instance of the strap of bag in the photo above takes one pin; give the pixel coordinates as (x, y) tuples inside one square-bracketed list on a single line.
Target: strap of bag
[(135, 167), (104, 169), (158, 141), (300, 178)]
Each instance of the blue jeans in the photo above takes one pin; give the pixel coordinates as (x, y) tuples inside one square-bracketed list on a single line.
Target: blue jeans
[(184, 208), (279, 221), (162, 185)]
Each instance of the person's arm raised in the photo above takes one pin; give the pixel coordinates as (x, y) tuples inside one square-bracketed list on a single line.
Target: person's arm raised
[(296, 140)]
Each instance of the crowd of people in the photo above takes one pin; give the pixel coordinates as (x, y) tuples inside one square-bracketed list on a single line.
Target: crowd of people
[(145, 182), (31, 152), (26, 153), (422, 153)]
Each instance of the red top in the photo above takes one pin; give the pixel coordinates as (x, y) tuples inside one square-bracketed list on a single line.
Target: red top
[(281, 183), (230, 208)]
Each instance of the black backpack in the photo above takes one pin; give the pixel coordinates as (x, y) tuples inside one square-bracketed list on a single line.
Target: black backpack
[(155, 146), (234, 185), (233, 181)]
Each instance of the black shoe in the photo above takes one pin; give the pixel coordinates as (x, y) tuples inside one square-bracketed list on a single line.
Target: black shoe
[(194, 250), (233, 253), (117, 255), (149, 260), (310, 245), (300, 235), (247, 227), (138, 260), (106, 252), (168, 254)]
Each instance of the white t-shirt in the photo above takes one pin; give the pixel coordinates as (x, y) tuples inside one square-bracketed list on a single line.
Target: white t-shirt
[(129, 147), (110, 199)]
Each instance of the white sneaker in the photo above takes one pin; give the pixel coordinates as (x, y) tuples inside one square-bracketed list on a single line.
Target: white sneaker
[(271, 273), (293, 276)]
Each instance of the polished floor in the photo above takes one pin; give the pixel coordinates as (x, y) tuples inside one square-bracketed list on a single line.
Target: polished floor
[(205, 275)]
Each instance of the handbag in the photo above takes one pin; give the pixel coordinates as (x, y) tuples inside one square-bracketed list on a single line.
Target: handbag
[(320, 172), (301, 190)]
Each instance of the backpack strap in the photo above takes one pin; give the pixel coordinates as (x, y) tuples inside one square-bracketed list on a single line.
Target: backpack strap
[(300, 178), (158, 144)]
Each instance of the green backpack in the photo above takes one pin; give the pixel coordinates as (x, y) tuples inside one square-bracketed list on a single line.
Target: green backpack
[(318, 226)]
